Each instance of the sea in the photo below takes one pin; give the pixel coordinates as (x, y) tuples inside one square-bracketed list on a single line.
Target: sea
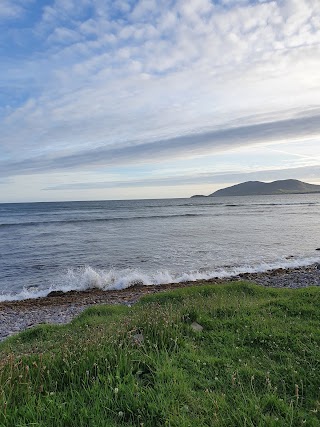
[(117, 244)]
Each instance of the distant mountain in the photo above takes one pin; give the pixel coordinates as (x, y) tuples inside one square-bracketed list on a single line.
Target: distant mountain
[(257, 188)]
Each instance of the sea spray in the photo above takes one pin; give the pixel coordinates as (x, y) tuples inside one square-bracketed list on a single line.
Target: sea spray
[(86, 278)]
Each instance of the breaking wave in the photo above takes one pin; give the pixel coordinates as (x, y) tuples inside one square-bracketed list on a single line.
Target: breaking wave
[(86, 278)]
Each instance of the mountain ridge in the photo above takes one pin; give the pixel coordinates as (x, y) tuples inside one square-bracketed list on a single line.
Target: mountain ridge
[(259, 188)]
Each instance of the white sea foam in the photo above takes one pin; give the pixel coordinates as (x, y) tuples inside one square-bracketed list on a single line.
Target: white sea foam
[(85, 278)]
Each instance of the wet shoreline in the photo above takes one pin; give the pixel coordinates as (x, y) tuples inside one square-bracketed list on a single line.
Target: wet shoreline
[(61, 308)]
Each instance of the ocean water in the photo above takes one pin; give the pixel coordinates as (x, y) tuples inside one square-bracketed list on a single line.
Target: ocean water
[(116, 244)]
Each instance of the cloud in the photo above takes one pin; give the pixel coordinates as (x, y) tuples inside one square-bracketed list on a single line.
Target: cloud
[(186, 146), (11, 9), (307, 172), (14, 10), (101, 84), (116, 95)]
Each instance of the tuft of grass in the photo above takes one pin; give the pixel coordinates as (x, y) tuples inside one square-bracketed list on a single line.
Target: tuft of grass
[(255, 363)]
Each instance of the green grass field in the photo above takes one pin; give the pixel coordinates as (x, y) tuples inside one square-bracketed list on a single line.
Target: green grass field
[(255, 363)]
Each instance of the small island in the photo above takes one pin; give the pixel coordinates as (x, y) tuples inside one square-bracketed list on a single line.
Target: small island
[(258, 188)]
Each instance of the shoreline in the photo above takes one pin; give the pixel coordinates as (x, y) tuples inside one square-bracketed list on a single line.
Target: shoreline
[(61, 308)]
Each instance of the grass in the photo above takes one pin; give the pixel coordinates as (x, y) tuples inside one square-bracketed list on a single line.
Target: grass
[(255, 363)]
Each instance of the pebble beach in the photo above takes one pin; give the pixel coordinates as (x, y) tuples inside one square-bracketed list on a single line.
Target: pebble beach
[(61, 308)]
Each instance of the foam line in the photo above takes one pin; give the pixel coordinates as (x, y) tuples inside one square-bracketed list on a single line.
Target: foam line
[(85, 278)]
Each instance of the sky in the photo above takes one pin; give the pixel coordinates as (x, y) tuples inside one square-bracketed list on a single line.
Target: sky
[(114, 99)]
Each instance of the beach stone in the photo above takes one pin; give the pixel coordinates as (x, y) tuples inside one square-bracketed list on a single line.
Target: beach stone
[(277, 271), (138, 339), (196, 327), (17, 316), (55, 294)]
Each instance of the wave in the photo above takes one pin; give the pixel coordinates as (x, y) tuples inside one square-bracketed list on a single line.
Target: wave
[(76, 221), (287, 204), (272, 204), (223, 204), (189, 204), (86, 278)]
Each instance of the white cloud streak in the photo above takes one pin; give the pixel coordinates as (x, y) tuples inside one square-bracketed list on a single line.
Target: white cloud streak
[(178, 147), (308, 172)]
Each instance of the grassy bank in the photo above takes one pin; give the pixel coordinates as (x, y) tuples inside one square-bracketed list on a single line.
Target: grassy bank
[(255, 363)]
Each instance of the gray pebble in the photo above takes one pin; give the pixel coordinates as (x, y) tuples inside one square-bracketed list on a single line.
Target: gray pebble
[(14, 318)]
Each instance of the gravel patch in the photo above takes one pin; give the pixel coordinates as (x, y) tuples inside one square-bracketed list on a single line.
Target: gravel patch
[(60, 308)]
